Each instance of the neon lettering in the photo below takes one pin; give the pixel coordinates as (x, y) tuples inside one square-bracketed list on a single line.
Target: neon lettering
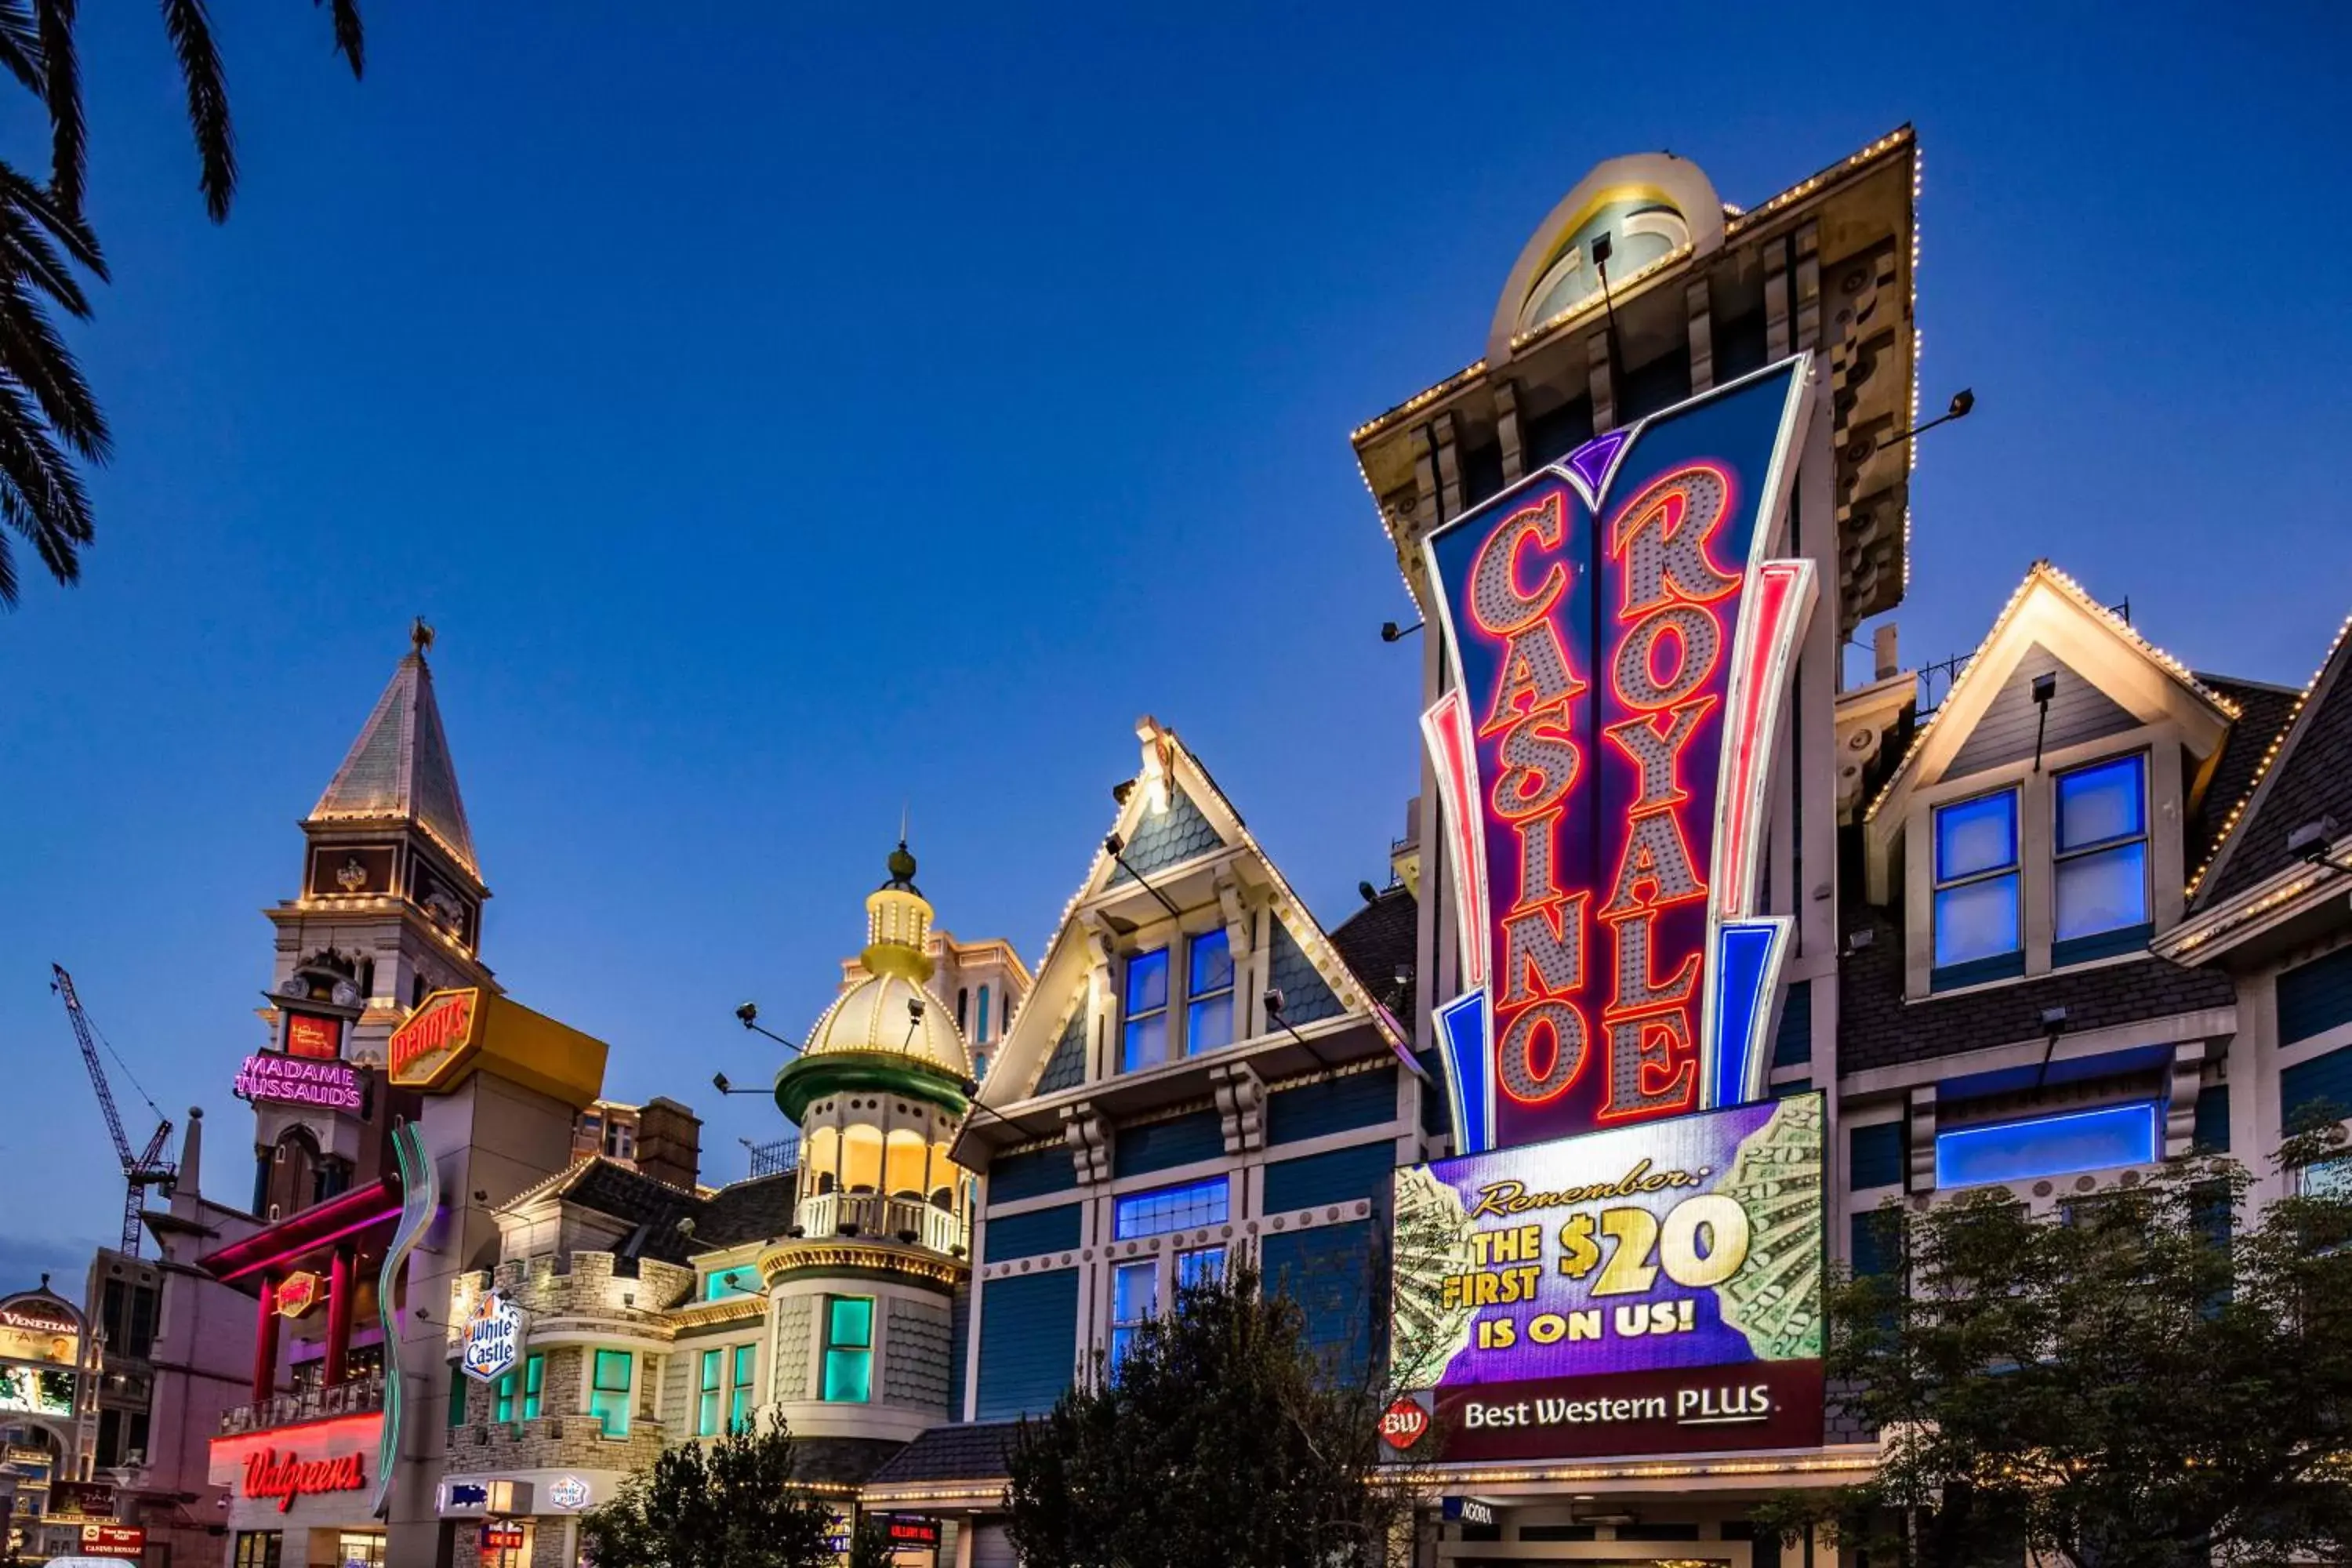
[(1496, 601), (267, 1474), (1557, 1023), (1662, 535), (1543, 953)]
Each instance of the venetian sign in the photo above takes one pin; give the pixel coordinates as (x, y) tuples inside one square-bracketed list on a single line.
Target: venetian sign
[(494, 1338), (1620, 637), (35, 1327), (286, 1477), (436, 1034), (1645, 1290), (281, 1079)]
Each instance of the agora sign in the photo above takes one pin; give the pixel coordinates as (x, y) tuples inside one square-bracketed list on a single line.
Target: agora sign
[(269, 1474), (1620, 636)]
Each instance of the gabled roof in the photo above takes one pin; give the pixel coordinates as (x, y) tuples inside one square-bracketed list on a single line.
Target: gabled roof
[(1171, 814), (1379, 945), (2306, 775), (2263, 714), (745, 1211), (2048, 607), (399, 769)]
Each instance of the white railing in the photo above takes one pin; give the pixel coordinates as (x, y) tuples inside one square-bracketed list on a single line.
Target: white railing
[(823, 1214)]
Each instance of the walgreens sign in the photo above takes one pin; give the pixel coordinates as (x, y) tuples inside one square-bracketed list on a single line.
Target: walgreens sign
[(285, 1477), (1620, 634)]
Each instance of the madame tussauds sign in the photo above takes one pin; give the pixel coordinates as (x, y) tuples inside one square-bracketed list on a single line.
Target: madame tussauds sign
[(269, 1474)]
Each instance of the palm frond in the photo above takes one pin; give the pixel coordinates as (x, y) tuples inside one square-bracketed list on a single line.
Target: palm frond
[(190, 29), (41, 496), (25, 205), (350, 38), (31, 351), (20, 46), (61, 91)]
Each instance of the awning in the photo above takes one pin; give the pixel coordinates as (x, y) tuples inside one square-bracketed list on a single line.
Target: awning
[(286, 1243)]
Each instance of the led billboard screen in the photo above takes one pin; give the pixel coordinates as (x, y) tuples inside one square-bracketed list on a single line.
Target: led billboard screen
[(1645, 1290)]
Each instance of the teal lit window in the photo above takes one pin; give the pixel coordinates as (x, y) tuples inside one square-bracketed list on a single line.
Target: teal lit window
[(2101, 875), (608, 1393), (1209, 993), (742, 1280), (1145, 1043), (534, 1379), (504, 1398), (706, 1408), (849, 1349), (457, 1394), (738, 1399), (1976, 901), (1163, 1209)]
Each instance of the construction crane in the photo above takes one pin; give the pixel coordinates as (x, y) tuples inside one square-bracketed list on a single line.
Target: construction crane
[(142, 1171)]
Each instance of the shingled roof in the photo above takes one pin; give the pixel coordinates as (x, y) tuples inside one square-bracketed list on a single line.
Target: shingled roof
[(1378, 943), (399, 768), (2263, 711), (959, 1451), (746, 1211), (2308, 777)]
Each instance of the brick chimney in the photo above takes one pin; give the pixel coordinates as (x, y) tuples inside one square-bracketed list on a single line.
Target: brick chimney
[(669, 1143)]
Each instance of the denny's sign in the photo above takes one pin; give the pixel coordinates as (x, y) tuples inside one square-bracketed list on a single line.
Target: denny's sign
[(431, 1047), (453, 1032), (1620, 631)]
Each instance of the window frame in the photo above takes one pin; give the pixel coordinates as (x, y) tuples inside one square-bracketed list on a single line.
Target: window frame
[(706, 1393), (605, 1402), (861, 1350), (2131, 935), (1130, 1018), (1229, 993), (742, 1375), (1216, 1212), (1123, 1329), (2003, 965)]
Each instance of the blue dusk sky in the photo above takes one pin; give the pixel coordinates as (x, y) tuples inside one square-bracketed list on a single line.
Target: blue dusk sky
[(788, 413)]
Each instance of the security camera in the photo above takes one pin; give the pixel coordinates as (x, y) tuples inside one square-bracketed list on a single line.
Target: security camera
[(915, 1009), (749, 1013), (1274, 1001)]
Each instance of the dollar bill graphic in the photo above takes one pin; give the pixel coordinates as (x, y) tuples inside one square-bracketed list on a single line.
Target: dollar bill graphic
[(1433, 1241), (1775, 1299)]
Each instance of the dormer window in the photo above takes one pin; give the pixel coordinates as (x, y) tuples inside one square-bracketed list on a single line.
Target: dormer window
[(1978, 936), (1209, 993), (2101, 855), (1145, 1043)]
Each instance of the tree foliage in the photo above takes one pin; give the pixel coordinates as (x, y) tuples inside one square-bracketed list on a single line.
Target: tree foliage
[(49, 417), (1222, 1438), (732, 1503), (2146, 1378)]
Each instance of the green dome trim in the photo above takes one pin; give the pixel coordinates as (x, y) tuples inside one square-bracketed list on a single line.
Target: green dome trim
[(811, 1078)]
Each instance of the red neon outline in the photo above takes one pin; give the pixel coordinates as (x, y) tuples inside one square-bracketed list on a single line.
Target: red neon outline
[(1521, 903), (310, 1246), (1676, 480), (1676, 791), (1776, 586), (1554, 580), (1653, 1109), (1570, 903), (1626, 849), (1446, 722), (1724, 637), (272, 1436), (1550, 729), (1503, 1034), (1496, 717)]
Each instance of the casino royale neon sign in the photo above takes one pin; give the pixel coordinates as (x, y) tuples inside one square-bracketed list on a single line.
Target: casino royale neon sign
[(1619, 642)]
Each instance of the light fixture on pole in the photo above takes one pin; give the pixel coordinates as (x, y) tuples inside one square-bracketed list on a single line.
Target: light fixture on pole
[(1116, 847), (748, 1014)]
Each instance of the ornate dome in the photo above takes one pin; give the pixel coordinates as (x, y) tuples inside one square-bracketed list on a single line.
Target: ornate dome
[(890, 1011), (874, 1015)]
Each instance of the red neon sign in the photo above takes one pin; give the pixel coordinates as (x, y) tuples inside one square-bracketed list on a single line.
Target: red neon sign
[(445, 1022), (269, 1474), (1617, 641)]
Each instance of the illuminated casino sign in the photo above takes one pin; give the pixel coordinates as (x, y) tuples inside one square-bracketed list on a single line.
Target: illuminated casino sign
[(1620, 637), (1647, 1290), (281, 1079), (436, 1036)]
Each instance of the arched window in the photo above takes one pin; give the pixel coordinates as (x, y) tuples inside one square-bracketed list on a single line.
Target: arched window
[(983, 1035), (963, 1007)]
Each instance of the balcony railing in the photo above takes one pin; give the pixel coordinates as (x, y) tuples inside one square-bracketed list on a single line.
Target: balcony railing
[(911, 1220), (361, 1397)]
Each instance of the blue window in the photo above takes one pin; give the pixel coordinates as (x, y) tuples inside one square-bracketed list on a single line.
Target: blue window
[(2102, 849), (2054, 1145), (1208, 992), (1164, 1209), (848, 1349), (1976, 886), (983, 1035), (1134, 1302), (1200, 1267), (1147, 1010)]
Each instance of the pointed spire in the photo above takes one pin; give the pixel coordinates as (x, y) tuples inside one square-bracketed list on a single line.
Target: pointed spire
[(399, 768)]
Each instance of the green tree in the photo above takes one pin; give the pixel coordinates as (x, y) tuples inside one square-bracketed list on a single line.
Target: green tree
[(48, 415), (869, 1543), (1221, 1437), (2139, 1379), (732, 1503)]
